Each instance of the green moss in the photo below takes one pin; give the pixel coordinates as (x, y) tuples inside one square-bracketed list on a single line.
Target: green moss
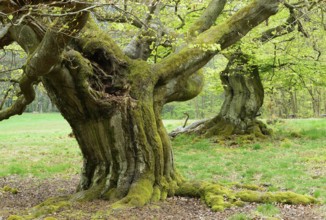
[(218, 208), (156, 194), (217, 189), (15, 217), (164, 195), (249, 196), (173, 186), (219, 126), (93, 37), (10, 189), (44, 210), (90, 194), (111, 195), (249, 186), (212, 199), (280, 197), (51, 205), (190, 189), (288, 198), (239, 203), (140, 193)]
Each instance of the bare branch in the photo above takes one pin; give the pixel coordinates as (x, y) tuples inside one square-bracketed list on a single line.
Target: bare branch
[(4, 30), (317, 50), (26, 97)]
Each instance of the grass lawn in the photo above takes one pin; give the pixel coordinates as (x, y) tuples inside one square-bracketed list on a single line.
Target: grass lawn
[(293, 159), (38, 145)]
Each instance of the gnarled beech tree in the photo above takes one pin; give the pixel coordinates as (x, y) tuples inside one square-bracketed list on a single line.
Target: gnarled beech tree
[(111, 101), (244, 96)]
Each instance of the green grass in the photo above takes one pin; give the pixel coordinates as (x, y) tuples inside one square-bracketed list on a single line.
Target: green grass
[(268, 210), (281, 163), (295, 159), (239, 216), (38, 145)]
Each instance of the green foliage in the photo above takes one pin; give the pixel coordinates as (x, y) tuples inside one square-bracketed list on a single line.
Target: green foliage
[(9, 189)]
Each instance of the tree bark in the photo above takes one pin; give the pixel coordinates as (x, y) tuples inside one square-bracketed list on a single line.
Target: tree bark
[(126, 150), (244, 95)]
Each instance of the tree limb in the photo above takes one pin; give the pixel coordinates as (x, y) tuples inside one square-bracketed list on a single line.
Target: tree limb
[(208, 18), (150, 31), (189, 86), (4, 98), (190, 59)]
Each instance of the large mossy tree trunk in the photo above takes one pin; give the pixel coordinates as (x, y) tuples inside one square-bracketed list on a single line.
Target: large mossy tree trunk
[(244, 95), (125, 147)]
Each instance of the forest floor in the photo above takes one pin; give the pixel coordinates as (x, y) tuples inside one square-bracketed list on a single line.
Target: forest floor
[(32, 191), (38, 161)]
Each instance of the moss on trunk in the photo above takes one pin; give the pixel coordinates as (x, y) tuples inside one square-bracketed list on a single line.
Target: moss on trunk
[(109, 103)]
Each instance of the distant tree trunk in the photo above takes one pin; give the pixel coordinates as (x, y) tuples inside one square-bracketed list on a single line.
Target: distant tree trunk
[(197, 111), (324, 100), (294, 103), (244, 95), (315, 102)]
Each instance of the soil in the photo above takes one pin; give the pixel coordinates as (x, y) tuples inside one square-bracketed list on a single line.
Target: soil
[(32, 191)]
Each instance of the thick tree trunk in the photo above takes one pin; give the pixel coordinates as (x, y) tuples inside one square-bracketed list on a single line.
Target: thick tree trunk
[(126, 150), (122, 149), (244, 95)]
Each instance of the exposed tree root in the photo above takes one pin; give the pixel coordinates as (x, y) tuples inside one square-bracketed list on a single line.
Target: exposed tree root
[(221, 128), (216, 196), (51, 205)]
